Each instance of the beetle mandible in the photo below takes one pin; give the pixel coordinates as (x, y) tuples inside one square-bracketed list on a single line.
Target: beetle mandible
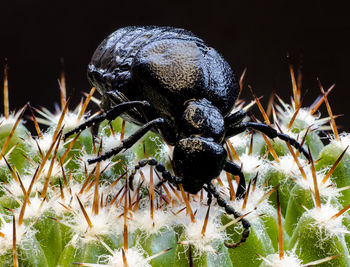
[(169, 81)]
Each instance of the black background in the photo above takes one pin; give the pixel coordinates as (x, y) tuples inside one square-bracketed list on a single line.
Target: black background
[(34, 35)]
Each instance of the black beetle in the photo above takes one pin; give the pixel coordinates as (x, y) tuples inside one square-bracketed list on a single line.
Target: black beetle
[(169, 81)]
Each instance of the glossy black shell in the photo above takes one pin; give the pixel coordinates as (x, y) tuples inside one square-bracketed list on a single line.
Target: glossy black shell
[(166, 67)]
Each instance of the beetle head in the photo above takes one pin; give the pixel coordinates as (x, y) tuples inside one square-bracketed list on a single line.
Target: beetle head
[(104, 82), (198, 160)]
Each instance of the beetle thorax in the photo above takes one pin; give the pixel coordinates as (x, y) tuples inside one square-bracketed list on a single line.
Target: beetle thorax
[(201, 118)]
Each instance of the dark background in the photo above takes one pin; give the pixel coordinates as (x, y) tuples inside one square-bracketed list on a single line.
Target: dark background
[(257, 35)]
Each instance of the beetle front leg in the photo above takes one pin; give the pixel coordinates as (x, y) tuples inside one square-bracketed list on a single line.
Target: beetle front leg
[(110, 115), (235, 118), (130, 141), (265, 129)]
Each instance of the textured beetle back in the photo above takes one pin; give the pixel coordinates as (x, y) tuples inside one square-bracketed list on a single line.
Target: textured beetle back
[(110, 65), (163, 65), (169, 71)]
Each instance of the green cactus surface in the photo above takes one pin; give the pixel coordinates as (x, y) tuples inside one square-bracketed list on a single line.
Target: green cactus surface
[(58, 210)]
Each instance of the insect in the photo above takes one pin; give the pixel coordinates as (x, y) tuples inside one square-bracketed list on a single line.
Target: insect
[(168, 81)]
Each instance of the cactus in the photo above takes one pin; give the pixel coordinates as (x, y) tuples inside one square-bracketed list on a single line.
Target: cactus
[(56, 210)]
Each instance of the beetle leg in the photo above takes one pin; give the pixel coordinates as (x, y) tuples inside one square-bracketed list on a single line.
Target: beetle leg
[(234, 169), (230, 210), (115, 97), (130, 141), (235, 118), (210, 198), (166, 175), (272, 133), (108, 115), (269, 131)]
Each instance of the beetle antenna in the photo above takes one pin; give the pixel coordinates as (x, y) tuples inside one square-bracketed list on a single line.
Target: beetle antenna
[(166, 175), (230, 210)]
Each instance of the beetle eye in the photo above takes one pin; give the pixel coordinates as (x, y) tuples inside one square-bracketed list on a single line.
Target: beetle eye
[(98, 78), (94, 76)]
